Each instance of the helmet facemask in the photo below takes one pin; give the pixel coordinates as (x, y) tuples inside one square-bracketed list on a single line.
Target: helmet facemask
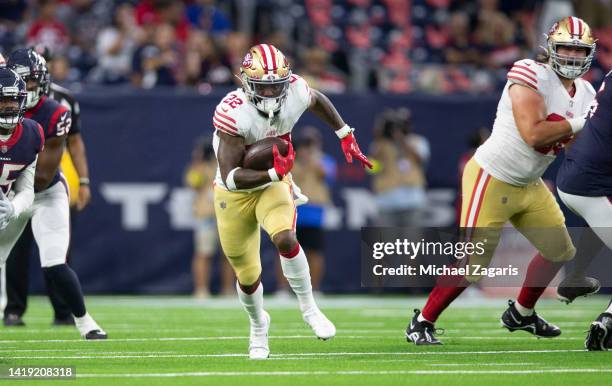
[(570, 67), (42, 87), (267, 95), (12, 108)]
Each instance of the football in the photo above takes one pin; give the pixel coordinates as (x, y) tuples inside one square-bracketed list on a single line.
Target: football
[(259, 155)]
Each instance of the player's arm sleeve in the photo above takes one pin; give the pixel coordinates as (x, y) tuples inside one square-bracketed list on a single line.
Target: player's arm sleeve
[(24, 189), (527, 73), (302, 90), (227, 120), (61, 122)]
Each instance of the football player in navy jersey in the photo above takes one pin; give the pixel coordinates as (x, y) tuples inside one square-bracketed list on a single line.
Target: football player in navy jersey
[(20, 142), (74, 159), (49, 217), (584, 184)]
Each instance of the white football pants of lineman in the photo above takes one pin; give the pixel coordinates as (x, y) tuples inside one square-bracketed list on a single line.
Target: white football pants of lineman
[(50, 215), (596, 211)]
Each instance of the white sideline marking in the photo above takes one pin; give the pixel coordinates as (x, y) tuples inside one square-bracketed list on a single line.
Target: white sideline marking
[(290, 355), (188, 338), (302, 373), (399, 333)]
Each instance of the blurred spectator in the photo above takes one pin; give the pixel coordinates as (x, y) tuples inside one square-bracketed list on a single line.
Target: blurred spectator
[(495, 36), (394, 46), (159, 12), (460, 48), (319, 73), (116, 44), (313, 172), (394, 72), (199, 177), (236, 46), (59, 68), (205, 64), (47, 29), (206, 15), (399, 173), (154, 63)]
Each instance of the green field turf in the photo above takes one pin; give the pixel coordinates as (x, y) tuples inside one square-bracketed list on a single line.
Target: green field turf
[(180, 341)]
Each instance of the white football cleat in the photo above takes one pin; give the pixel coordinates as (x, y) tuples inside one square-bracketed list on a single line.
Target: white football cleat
[(322, 327), (258, 341)]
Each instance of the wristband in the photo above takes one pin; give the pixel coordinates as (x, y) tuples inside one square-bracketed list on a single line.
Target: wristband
[(84, 181), (229, 181), (344, 131), (577, 124), (273, 175)]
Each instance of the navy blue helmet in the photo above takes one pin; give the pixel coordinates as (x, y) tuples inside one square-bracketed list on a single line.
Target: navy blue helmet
[(12, 99), (31, 66)]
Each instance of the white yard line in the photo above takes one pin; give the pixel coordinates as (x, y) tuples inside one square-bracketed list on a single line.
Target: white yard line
[(292, 355), (306, 373), (398, 335)]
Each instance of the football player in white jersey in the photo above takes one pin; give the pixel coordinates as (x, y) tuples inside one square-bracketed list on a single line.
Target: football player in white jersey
[(542, 106), (269, 104)]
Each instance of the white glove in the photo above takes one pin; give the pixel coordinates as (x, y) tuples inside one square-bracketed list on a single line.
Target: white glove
[(6, 210)]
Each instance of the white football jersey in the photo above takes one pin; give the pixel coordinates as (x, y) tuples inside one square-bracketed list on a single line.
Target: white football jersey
[(236, 116), (505, 155)]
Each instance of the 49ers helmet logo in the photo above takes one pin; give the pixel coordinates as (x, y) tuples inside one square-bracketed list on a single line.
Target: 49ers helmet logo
[(248, 60)]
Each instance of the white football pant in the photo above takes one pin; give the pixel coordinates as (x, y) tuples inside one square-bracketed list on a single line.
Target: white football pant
[(596, 211), (50, 215)]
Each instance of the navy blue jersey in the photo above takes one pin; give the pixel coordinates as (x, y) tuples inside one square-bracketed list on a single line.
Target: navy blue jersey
[(55, 120), (65, 98), (587, 168), (19, 151)]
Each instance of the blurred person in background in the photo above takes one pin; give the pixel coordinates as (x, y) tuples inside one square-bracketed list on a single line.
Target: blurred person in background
[(205, 65), (199, 177), (116, 44), (207, 16), (47, 29), (314, 171), (319, 72), (155, 62), (460, 48), (399, 172)]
